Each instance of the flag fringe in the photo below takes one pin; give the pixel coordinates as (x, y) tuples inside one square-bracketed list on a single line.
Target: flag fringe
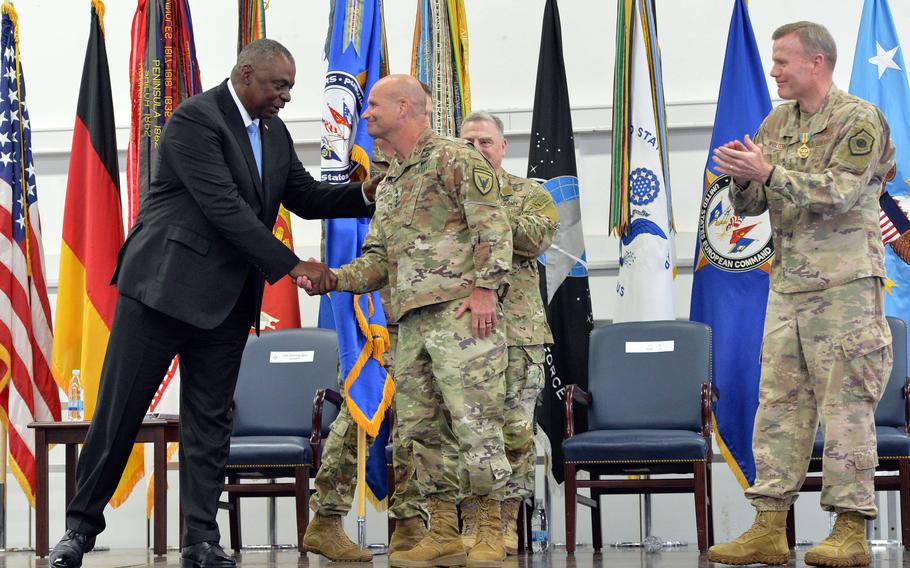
[(728, 457), (98, 6)]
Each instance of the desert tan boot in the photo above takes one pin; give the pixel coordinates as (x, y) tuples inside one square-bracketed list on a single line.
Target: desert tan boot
[(488, 551), (325, 536), (510, 509), (441, 547), (764, 543), (845, 546), (408, 532), (468, 522)]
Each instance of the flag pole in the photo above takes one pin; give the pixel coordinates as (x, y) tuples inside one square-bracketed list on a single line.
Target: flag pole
[(3, 435), (361, 487)]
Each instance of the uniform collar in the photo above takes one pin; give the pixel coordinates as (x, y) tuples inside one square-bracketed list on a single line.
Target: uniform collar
[(818, 121)]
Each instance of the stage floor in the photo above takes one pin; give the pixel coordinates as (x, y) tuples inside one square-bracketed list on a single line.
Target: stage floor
[(891, 557)]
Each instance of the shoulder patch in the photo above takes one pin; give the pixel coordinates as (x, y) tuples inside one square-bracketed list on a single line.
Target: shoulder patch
[(483, 179), (861, 143)]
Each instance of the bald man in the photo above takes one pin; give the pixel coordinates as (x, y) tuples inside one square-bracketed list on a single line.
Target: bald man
[(337, 476), (442, 242)]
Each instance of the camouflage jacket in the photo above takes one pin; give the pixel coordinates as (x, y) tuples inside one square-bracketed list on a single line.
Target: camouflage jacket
[(534, 222), (438, 232), (823, 205)]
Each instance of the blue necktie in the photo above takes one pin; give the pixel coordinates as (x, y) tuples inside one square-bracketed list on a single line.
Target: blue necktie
[(253, 132)]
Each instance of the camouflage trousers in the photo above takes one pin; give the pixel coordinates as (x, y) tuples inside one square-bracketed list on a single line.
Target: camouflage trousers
[(524, 381), (826, 355), (336, 479), (449, 400)]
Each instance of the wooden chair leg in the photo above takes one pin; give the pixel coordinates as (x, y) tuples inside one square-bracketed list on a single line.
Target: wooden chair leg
[(390, 489), (903, 466), (701, 506), (710, 490), (571, 489), (791, 527), (596, 526), (233, 516), (302, 502)]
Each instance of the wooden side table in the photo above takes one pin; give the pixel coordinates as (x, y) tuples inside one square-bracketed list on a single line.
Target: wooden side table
[(157, 431)]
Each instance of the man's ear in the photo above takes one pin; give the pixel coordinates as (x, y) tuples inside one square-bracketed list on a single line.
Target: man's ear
[(246, 73)]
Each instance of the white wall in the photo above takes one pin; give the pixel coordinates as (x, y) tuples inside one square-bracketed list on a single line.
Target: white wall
[(504, 41)]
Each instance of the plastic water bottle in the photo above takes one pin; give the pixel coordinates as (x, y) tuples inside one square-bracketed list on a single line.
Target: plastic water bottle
[(75, 407), (540, 537)]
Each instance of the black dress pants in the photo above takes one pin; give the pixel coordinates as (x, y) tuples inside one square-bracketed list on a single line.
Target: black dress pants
[(142, 344)]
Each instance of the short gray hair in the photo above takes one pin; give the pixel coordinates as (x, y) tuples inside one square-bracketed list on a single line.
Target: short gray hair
[(261, 50), (482, 115), (815, 38)]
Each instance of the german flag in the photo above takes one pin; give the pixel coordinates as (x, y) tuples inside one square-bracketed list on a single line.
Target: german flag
[(92, 235)]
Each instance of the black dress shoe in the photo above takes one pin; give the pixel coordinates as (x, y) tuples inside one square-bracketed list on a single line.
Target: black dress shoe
[(205, 555), (68, 552)]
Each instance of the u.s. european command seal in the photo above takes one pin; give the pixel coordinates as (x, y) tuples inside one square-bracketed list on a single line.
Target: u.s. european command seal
[(729, 241)]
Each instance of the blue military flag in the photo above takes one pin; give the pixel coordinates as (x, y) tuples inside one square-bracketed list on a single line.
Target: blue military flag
[(880, 77), (355, 49), (730, 285)]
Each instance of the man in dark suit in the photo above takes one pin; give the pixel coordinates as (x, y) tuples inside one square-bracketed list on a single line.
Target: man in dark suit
[(190, 277)]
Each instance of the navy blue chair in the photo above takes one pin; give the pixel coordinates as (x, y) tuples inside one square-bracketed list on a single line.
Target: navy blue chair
[(280, 419), (649, 412), (892, 424)]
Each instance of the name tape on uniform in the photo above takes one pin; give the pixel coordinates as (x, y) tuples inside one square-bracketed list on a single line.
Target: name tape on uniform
[(650, 346), (292, 356)]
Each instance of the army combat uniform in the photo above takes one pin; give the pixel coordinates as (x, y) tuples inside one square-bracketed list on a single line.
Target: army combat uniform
[(336, 479), (439, 232), (826, 351), (534, 222)]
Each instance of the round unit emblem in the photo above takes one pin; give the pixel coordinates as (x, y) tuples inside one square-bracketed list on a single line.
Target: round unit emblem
[(728, 241)]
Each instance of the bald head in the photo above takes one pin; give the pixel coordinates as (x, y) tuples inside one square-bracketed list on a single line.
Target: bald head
[(396, 111), (404, 89)]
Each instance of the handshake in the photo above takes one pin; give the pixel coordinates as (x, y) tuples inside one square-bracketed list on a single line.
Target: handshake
[(314, 277)]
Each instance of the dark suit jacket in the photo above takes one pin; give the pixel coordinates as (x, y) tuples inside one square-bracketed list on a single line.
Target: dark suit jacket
[(205, 226)]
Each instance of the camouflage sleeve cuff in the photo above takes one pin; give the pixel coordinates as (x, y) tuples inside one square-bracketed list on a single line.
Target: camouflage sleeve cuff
[(778, 178), (488, 282), (342, 285)]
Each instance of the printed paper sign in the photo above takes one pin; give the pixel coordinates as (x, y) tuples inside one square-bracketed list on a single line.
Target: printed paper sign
[(650, 346), (292, 356)]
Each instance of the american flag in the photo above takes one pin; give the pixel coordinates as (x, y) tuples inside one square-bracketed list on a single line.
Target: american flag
[(27, 389), (889, 232)]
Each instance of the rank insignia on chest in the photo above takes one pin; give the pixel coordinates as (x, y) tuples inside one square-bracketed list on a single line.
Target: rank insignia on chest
[(483, 178)]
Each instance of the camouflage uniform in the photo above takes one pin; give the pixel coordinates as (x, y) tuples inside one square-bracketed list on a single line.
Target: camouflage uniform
[(336, 479), (439, 232), (826, 351), (535, 222)]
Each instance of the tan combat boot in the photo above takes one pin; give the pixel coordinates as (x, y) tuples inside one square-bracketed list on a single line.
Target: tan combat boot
[(442, 545), (845, 546), (468, 522), (408, 532), (325, 536), (764, 543), (489, 551), (510, 509)]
